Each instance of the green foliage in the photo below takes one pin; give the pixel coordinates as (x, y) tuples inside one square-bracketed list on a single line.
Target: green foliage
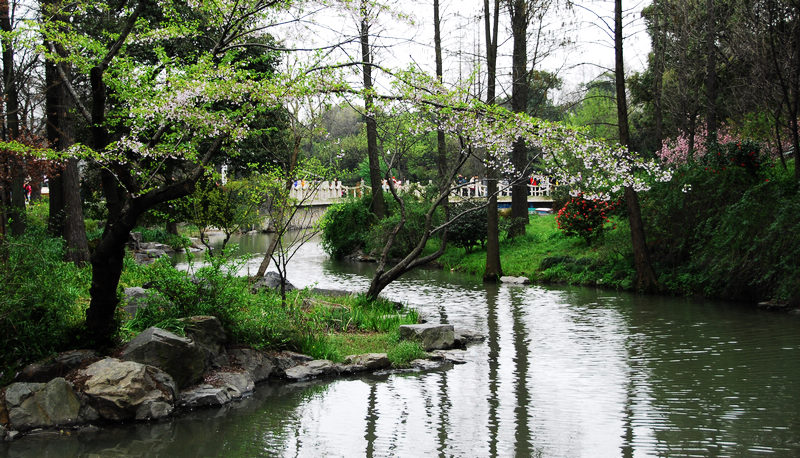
[(229, 208), (470, 229), (40, 308), (345, 227), (255, 319), (160, 235), (727, 227), (584, 218), (416, 207)]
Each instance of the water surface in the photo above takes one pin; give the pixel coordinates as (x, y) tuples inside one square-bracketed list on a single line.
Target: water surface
[(564, 372)]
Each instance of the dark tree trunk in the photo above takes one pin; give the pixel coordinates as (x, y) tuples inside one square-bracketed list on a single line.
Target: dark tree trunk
[(645, 276), (658, 76), (494, 269), (711, 73), (441, 145), (54, 112), (74, 227), (519, 102), (17, 163), (378, 206)]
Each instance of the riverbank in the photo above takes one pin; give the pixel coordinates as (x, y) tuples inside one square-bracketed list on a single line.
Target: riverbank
[(545, 255)]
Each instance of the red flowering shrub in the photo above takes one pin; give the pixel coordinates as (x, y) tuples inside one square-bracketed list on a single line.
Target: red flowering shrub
[(584, 218)]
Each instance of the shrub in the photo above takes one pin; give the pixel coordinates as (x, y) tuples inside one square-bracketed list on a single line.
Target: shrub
[(408, 237), (584, 218), (345, 227), (40, 308), (470, 229)]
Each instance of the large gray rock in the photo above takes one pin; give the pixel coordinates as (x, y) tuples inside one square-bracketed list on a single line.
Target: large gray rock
[(177, 356), (515, 280), (312, 369), (57, 366), (286, 360), (125, 390), (238, 384), (462, 337), (431, 336), (204, 395), (365, 362), (257, 363), (271, 280), (208, 334), (35, 405)]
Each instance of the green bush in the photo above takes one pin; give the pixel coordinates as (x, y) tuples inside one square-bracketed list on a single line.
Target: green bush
[(727, 226), (469, 230), (345, 227), (40, 308), (409, 235), (260, 319)]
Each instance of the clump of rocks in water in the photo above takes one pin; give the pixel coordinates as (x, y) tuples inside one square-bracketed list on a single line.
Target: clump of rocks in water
[(158, 374)]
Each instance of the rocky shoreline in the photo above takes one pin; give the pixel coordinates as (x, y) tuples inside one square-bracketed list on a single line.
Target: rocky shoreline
[(159, 374)]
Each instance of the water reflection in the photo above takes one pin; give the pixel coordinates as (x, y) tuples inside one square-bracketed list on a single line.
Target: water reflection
[(563, 372)]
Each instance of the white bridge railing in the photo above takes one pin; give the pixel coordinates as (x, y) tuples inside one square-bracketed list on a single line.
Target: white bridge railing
[(331, 191)]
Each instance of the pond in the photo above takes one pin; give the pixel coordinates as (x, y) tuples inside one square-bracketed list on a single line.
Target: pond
[(564, 372)]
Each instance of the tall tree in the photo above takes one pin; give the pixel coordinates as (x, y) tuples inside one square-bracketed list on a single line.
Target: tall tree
[(645, 276), (519, 10), (378, 205), (441, 145), (494, 268), (12, 131)]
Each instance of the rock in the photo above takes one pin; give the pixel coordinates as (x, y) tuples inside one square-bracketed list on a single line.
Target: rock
[(515, 280), (204, 396), (35, 405), (237, 384), (2, 433), (142, 258), (137, 298), (452, 356), (431, 336), (125, 390), (179, 357), (428, 364), (462, 337), (57, 366), (134, 240), (286, 360), (155, 246), (365, 362), (312, 369), (271, 280), (256, 363), (208, 334)]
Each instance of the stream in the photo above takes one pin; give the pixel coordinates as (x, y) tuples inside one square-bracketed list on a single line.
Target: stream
[(564, 372)]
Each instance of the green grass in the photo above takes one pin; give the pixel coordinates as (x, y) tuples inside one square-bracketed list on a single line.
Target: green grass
[(545, 254)]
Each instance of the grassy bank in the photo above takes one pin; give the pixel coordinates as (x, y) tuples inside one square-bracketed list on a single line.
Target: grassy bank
[(43, 301), (545, 254)]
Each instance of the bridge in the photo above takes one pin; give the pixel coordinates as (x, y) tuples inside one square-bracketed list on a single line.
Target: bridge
[(326, 193), (316, 197)]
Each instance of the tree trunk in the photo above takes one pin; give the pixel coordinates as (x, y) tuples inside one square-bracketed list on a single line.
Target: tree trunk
[(54, 114), (711, 73), (74, 227), (519, 102), (493, 270), (645, 276), (658, 77), (378, 206), (17, 163), (441, 145)]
